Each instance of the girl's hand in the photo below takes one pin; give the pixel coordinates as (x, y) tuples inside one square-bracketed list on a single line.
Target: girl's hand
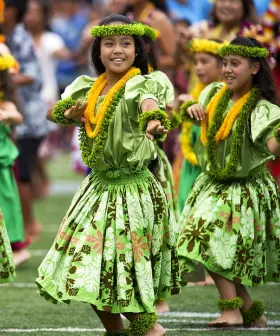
[(196, 111), (76, 112), (154, 127)]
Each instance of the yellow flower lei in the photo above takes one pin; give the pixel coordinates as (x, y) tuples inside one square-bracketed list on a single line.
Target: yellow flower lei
[(96, 118), (146, 12), (187, 126), (229, 120)]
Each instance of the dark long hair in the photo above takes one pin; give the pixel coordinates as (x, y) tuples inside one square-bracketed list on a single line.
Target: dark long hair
[(249, 13), (263, 79), (8, 88), (141, 60), (150, 49), (20, 5)]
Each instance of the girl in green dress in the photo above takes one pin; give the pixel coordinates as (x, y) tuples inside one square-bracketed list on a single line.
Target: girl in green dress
[(208, 69), (231, 218), (9, 198), (116, 247)]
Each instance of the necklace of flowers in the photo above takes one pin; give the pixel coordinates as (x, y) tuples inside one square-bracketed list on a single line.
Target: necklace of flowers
[(218, 119), (96, 118), (229, 120), (146, 12), (103, 117), (187, 128)]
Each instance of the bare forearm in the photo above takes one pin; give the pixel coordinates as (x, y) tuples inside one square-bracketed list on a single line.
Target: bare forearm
[(20, 79), (149, 105)]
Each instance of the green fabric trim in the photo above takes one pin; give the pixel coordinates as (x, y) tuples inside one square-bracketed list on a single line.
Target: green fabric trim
[(160, 115), (123, 29), (230, 304), (59, 109), (275, 132), (143, 324), (228, 171), (175, 120), (90, 155), (183, 110), (118, 333), (244, 51), (253, 314)]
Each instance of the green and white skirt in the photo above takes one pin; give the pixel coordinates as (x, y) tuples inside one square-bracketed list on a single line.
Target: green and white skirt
[(7, 268), (233, 229), (115, 249), (163, 172)]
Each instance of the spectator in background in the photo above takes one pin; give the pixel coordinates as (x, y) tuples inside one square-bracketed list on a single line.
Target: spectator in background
[(190, 10), (49, 48), (34, 127), (68, 22)]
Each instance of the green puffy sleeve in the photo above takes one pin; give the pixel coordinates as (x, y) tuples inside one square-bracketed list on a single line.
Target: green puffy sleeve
[(164, 85), (208, 92), (263, 119), (78, 90)]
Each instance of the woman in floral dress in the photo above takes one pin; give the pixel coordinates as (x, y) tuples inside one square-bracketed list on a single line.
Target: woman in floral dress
[(231, 217)]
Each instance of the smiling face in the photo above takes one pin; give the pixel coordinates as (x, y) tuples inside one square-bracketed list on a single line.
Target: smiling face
[(207, 68), (117, 53), (238, 72), (229, 11)]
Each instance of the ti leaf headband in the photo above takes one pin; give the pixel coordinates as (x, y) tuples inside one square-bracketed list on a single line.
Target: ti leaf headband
[(137, 29), (207, 46), (244, 51)]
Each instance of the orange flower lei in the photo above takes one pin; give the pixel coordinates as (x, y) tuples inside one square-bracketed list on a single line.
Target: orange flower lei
[(96, 118), (229, 120)]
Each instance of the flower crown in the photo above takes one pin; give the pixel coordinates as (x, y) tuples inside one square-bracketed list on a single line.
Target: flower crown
[(137, 29), (207, 46), (244, 51), (8, 62), (150, 32)]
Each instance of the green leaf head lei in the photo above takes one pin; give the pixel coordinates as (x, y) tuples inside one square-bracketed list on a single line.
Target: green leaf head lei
[(137, 29), (244, 51)]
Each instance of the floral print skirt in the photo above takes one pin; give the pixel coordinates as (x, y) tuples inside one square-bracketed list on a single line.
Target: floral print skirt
[(7, 269), (163, 172), (115, 249), (233, 229)]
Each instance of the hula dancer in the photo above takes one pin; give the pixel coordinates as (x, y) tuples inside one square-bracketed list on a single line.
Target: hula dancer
[(9, 199), (231, 218), (116, 248), (208, 69)]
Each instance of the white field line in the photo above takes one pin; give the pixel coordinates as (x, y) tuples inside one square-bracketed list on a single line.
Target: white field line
[(81, 330)]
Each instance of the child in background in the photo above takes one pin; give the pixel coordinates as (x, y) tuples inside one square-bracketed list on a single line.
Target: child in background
[(116, 248), (208, 69)]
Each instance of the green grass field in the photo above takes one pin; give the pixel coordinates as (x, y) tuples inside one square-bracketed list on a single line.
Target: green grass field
[(23, 312)]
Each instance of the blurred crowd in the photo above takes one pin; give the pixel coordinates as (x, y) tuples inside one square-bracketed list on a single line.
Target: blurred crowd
[(51, 41)]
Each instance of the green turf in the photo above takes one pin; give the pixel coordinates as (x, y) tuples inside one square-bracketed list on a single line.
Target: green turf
[(22, 308)]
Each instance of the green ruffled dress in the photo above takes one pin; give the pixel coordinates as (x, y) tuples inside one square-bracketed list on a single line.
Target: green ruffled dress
[(116, 246), (7, 268), (9, 197), (233, 228)]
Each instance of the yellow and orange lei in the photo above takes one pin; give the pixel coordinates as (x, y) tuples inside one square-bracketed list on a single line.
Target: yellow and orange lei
[(229, 120), (186, 135), (94, 117)]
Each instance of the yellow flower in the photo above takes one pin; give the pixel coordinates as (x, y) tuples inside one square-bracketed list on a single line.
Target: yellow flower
[(7, 62)]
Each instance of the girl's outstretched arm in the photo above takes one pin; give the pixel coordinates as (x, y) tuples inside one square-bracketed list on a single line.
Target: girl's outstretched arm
[(9, 114), (154, 127)]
